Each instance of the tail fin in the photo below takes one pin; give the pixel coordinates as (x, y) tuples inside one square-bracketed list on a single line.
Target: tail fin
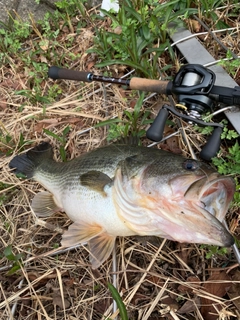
[(27, 163)]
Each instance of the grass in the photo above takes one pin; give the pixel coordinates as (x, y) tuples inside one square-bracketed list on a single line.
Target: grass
[(156, 278)]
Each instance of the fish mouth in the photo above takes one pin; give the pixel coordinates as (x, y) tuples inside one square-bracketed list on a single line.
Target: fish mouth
[(214, 195)]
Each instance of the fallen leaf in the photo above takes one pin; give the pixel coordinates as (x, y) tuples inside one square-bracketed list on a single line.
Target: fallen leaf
[(44, 44), (194, 283), (195, 25), (118, 30), (171, 144), (46, 123), (234, 291), (217, 285), (43, 59), (168, 301), (90, 65), (9, 83), (3, 104), (58, 301), (189, 306), (132, 103)]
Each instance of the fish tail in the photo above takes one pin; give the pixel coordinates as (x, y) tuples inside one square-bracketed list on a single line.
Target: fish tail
[(28, 162)]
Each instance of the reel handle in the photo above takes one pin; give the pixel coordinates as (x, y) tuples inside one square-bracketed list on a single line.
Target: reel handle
[(212, 146), (155, 132)]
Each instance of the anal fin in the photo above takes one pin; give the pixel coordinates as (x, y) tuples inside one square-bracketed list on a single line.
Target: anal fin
[(100, 248), (80, 232), (43, 204)]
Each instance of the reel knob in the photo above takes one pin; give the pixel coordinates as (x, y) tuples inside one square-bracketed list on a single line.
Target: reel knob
[(212, 146), (155, 132)]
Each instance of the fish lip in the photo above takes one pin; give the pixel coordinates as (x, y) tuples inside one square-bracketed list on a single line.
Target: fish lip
[(227, 239)]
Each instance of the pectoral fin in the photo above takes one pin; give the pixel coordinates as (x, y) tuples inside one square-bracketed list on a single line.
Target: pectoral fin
[(100, 248), (95, 180), (80, 232), (43, 204)]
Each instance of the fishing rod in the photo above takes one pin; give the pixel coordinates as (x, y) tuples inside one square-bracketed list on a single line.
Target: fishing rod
[(195, 90)]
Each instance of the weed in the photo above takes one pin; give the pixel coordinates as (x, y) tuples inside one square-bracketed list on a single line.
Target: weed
[(139, 36), (14, 259), (207, 9), (11, 39), (4, 196), (213, 250), (131, 125), (116, 296), (70, 6), (230, 163), (230, 65), (229, 134), (62, 139), (5, 136), (226, 134), (22, 142)]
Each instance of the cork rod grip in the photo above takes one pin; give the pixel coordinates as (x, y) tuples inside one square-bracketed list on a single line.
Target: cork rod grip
[(149, 85)]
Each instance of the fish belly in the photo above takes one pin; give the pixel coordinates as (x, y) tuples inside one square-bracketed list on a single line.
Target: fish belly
[(93, 207)]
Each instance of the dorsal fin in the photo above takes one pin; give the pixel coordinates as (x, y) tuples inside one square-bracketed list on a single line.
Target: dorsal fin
[(129, 140)]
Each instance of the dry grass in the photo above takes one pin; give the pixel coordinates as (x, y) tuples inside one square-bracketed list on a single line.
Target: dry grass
[(156, 279)]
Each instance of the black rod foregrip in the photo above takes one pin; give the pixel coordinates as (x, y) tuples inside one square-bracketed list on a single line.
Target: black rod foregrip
[(61, 73)]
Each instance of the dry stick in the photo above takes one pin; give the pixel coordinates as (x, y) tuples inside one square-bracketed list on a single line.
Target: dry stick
[(133, 292), (214, 37), (129, 298), (199, 34), (114, 276), (61, 291), (7, 304), (155, 302), (14, 307), (20, 292)]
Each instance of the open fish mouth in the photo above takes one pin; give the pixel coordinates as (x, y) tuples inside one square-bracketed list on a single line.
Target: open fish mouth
[(214, 194), (210, 197), (216, 197)]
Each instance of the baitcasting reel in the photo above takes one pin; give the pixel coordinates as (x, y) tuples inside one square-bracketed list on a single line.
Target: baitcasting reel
[(194, 87), (192, 84)]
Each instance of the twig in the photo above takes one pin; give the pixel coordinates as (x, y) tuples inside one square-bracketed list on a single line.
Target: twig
[(214, 37), (114, 276)]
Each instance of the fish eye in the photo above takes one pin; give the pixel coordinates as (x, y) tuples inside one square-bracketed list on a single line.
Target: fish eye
[(190, 164)]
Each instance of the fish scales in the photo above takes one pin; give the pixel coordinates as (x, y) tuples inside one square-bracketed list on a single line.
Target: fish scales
[(123, 190)]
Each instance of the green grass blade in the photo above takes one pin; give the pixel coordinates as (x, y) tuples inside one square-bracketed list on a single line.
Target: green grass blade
[(118, 299)]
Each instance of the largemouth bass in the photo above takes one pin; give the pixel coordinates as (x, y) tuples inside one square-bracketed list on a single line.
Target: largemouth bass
[(125, 190)]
